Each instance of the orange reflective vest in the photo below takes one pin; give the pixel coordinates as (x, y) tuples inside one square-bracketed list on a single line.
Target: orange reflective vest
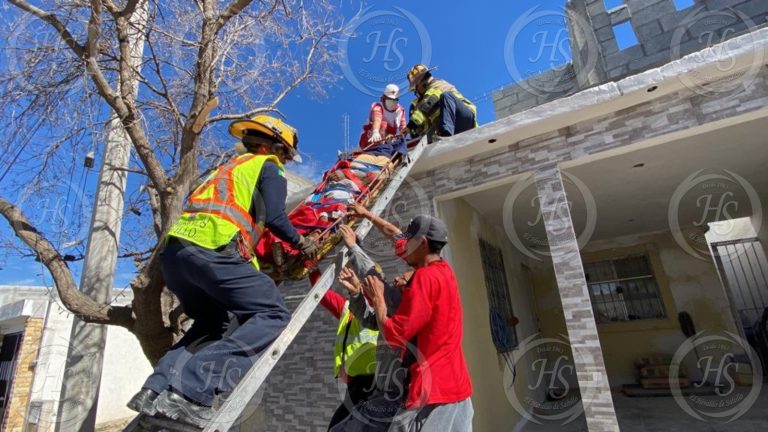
[(220, 208)]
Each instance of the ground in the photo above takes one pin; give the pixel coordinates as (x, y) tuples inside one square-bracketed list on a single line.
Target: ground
[(662, 414)]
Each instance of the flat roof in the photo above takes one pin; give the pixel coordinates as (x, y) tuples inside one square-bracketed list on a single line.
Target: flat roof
[(742, 53)]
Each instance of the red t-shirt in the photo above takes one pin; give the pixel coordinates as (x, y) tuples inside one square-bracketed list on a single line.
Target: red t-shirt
[(431, 312)]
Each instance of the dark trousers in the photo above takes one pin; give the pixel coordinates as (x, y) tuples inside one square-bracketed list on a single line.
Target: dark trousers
[(237, 313), (359, 389), (455, 115)]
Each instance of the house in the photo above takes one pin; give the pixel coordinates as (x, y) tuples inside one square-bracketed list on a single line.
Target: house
[(607, 232), (35, 329)]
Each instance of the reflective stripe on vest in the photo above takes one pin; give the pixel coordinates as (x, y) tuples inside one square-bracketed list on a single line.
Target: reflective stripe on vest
[(436, 88), (355, 347), (220, 207)]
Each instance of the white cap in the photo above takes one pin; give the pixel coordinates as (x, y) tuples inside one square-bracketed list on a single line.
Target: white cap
[(391, 91)]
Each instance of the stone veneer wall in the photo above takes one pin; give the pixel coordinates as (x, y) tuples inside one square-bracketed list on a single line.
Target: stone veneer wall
[(301, 394), (16, 411)]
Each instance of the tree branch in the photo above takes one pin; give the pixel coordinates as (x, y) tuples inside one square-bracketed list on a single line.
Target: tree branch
[(296, 82), (127, 114), (54, 22), (80, 304), (233, 9)]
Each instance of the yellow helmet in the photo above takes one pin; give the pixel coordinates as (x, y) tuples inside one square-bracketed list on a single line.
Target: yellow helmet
[(272, 127), (416, 74)]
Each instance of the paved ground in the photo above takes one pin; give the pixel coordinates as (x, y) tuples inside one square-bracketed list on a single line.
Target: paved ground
[(663, 414), (114, 426)]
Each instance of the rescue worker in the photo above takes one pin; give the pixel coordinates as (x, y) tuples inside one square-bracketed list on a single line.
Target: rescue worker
[(438, 107), (208, 263), (354, 350), (385, 119)]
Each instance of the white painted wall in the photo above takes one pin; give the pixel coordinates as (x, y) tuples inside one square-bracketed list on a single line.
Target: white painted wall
[(125, 369)]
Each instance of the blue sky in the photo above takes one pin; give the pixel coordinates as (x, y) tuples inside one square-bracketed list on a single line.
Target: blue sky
[(465, 41), (477, 46)]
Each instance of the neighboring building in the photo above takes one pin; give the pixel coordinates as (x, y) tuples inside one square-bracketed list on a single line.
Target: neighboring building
[(586, 218), (35, 331)]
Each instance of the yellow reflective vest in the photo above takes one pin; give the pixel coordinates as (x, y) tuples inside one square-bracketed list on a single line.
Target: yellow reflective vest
[(425, 110), (220, 207), (355, 347)]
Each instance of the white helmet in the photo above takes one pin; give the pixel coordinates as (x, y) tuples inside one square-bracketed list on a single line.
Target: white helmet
[(391, 91)]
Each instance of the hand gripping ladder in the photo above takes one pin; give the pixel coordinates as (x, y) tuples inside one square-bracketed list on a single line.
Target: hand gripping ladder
[(230, 411)]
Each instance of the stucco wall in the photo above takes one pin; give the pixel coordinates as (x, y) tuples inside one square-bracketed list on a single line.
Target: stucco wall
[(493, 410), (125, 369), (687, 284)]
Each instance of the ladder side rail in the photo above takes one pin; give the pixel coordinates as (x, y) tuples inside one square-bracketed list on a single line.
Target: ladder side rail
[(250, 384), (231, 410)]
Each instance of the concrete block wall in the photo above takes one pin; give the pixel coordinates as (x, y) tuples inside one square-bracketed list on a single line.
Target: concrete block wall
[(664, 34), (535, 91)]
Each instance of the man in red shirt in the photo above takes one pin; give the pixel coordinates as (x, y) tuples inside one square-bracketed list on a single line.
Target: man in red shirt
[(429, 318)]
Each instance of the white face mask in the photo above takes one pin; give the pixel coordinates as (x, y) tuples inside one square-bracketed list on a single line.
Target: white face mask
[(390, 104)]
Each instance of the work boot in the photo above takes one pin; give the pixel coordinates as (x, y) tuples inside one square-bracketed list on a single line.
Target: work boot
[(176, 407), (143, 401)]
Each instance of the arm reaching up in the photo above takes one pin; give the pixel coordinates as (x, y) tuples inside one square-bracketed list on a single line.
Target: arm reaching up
[(386, 228)]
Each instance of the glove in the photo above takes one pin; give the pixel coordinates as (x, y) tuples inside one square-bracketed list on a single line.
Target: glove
[(375, 137), (308, 247)]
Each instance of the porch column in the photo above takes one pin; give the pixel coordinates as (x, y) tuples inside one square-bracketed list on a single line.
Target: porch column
[(577, 308)]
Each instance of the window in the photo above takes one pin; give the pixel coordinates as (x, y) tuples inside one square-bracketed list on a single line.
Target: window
[(613, 4), (624, 289), (500, 314), (684, 4), (625, 35)]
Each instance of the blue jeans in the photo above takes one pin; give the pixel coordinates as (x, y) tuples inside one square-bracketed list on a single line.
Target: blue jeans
[(455, 115), (237, 312)]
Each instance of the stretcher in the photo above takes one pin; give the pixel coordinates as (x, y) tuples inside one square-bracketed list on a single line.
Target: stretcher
[(355, 178)]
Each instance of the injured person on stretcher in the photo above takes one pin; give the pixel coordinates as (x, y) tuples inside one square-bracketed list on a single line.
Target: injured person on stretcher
[(354, 178)]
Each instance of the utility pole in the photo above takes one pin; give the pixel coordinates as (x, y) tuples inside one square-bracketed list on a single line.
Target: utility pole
[(85, 356)]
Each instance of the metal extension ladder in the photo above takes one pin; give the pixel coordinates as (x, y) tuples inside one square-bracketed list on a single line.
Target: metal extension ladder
[(229, 413)]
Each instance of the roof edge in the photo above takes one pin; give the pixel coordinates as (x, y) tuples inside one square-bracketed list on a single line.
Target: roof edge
[(743, 53)]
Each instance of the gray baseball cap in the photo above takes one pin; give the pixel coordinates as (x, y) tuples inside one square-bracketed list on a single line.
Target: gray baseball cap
[(431, 227)]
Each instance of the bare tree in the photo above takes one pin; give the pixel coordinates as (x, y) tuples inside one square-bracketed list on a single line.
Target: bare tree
[(205, 61)]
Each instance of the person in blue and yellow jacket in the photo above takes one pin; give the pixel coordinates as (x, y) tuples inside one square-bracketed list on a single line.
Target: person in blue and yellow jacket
[(208, 262), (438, 109)]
